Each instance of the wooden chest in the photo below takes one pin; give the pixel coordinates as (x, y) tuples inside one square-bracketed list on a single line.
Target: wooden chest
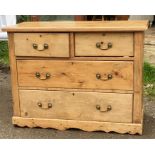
[(85, 75)]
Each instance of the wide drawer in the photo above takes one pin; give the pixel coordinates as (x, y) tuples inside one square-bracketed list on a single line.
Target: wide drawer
[(104, 44), (88, 106), (42, 44), (76, 74)]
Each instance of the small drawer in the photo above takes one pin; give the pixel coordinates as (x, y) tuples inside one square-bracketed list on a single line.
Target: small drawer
[(112, 75), (42, 44), (104, 44), (86, 106)]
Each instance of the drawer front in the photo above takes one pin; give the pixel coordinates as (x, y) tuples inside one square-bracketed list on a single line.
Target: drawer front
[(104, 44), (87, 106), (42, 44), (76, 74)]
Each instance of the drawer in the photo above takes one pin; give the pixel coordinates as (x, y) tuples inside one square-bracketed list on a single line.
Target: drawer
[(42, 44), (76, 74), (86, 106), (104, 44)]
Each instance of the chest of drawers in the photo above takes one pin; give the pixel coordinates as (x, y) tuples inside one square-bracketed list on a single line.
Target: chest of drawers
[(85, 75)]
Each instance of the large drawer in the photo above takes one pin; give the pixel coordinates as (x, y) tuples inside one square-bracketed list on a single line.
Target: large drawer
[(76, 74), (104, 44), (86, 106), (42, 44)]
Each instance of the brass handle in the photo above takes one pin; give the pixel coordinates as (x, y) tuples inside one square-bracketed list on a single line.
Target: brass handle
[(108, 108), (40, 47), (104, 46), (40, 105), (42, 77), (105, 78)]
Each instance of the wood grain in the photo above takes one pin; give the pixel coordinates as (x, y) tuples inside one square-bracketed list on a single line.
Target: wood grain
[(122, 58), (14, 76), (81, 90), (122, 44), (71, 44), (76, 74), (79, 26), (73, 61), (83, 125), (76, 105), (138, 77), (58, 44)]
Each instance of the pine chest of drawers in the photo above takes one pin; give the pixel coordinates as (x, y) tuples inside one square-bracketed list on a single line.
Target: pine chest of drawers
[(85, 75)]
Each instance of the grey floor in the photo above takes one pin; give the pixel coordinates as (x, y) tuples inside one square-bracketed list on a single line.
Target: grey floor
[(7, 130)]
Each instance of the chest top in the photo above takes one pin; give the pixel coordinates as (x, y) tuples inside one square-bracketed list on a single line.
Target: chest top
[(80, 26)]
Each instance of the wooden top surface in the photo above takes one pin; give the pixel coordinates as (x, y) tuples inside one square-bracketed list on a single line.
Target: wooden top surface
[(79, 26)]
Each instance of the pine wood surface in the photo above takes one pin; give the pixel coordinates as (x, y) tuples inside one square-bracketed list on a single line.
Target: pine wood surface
[(79, 26), (14, 76), (138, 78), (58, 44), (59, 124), (76, 74), (122, 44), (76, 105)]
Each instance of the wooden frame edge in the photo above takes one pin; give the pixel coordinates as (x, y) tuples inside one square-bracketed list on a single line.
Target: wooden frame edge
[(83, 125), (138, 77), (14, 76), (71, 45)]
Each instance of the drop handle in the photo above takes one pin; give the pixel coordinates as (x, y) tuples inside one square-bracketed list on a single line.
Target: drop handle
[(104, 78), (40, 47), (48, 106), (103, 46), (108, 108), (43, 76)]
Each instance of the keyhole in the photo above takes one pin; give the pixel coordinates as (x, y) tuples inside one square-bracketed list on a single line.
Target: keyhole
[(26, 113)]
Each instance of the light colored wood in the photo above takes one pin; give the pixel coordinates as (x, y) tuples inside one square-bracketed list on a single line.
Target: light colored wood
[(72, 45), (76, 105), (58, 44), (125, 58), (75, 74), (73, 88), (14, 78), (81, 90), (79, 26), (138, 76), (122, 44), (59, 124)]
